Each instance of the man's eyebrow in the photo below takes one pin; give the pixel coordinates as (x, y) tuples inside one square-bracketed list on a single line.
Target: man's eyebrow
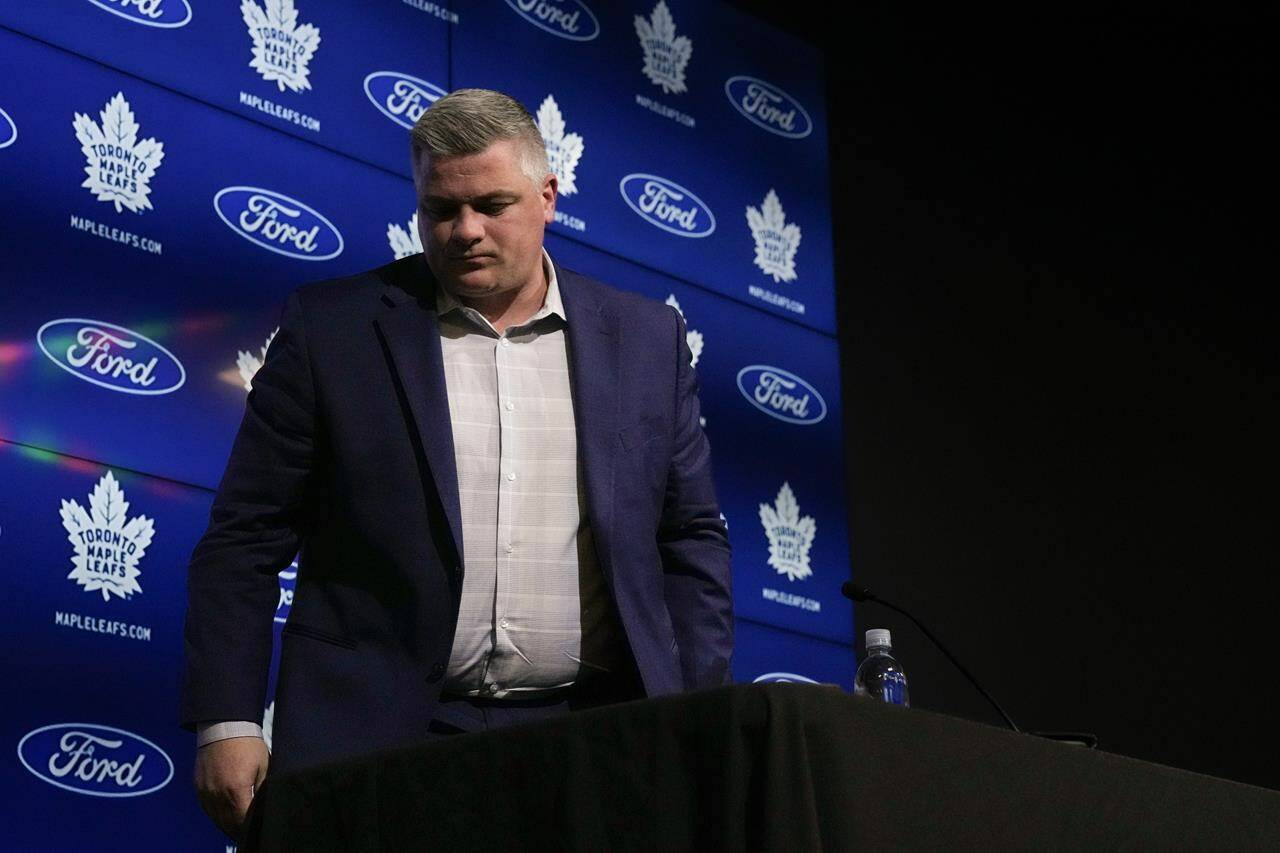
[(497, 195)]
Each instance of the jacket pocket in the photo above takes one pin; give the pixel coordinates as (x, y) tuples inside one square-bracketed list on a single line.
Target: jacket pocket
[(298, 630)]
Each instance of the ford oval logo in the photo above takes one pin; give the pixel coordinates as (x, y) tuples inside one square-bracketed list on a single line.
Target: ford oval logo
[(99, 761), (111, 356), (667, 205), (400, 97), (150, 13), (8, 130), (782, 678), (781, 394), (278, 223), (569, 19), (766, 105)]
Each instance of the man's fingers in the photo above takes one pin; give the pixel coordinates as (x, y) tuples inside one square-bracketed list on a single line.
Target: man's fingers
[(227, 808), (228, 773), (240, 799)]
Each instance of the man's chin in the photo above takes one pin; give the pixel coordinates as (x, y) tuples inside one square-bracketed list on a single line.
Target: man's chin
[(476, 284)]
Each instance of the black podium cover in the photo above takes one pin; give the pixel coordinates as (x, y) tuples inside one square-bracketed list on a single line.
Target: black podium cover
[(756, 767)]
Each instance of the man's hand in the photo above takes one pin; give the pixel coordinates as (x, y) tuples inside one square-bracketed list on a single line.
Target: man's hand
[(228, 772)]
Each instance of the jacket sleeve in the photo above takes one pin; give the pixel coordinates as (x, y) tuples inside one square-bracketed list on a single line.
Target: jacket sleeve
[(693, 541), (255, 528)]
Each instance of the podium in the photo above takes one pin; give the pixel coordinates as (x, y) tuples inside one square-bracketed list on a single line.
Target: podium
[(785, 767)]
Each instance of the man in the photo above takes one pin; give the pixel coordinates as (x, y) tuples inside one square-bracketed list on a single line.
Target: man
[(494, 469)]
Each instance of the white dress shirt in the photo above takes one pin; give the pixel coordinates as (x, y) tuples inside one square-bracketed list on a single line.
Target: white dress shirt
[(535, 614)]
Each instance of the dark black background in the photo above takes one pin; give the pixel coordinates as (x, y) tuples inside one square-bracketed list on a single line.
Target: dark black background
[(1054, 268)]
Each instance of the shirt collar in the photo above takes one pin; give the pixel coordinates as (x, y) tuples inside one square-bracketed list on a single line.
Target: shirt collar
[(551, 303)]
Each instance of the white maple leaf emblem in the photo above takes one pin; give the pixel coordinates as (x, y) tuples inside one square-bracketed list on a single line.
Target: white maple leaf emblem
[(282, 50), (405, 243), (249, 364), (120, 167), (790, 535), (564, 150), (692, 338), (108, 544), (665, 55), (776, 241)]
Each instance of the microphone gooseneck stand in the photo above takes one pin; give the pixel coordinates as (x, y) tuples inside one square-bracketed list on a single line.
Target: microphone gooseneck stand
[(855, 592)]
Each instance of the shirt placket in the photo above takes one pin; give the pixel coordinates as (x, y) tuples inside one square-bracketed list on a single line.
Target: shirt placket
[(505, 356)]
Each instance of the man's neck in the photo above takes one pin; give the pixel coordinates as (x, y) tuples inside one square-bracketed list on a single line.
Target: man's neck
[(513, 307)]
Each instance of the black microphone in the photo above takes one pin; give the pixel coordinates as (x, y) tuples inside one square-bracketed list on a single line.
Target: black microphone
[(854, 592)]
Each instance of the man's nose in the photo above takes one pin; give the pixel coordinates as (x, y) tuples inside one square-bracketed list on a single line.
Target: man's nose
[(468, 227)]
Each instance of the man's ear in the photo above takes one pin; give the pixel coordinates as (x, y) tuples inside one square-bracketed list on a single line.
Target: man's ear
[(550, 189)]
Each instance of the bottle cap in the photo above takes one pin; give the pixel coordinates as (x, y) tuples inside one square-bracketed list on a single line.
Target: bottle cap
[(878, 637)]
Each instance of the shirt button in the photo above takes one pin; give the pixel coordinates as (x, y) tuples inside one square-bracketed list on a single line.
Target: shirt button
[(511, 475), (511, 407), (491, 688), (510, 547), (506, 342), (503, 623)]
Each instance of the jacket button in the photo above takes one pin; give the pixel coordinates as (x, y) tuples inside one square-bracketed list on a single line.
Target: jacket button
[(437, 672)]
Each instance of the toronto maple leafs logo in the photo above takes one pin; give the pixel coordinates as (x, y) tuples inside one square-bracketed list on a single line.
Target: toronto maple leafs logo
[(564, 150), (282, 49), (108, 544), (692, 338), (120, 167), (776, 241), (665, 55), (405, 243), (790, 535), (249, 364)]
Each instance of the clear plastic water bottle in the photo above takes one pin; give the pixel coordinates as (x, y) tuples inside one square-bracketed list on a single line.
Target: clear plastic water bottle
[(880, 676)]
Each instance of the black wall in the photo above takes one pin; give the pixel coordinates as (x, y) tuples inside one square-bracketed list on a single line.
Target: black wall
[(1059, 367)]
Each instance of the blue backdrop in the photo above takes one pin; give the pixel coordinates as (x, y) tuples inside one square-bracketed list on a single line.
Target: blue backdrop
[(171, 169)]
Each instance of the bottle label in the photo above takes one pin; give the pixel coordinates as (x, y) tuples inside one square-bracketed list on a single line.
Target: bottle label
[(895, 689)]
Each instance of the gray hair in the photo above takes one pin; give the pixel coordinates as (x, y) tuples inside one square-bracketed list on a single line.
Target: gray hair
[(468, 121)]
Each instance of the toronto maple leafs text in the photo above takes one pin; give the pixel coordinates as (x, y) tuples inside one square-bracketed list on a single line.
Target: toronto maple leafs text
[(271, 108), (116, 235), (791, 600), (98, 625), (666, 111), (776, 299), (433, 9)]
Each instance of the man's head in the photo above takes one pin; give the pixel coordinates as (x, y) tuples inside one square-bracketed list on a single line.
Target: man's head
[(485, 193)]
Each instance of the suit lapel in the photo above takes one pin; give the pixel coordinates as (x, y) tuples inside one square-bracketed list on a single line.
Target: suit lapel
[(410, 329), (594, 337)]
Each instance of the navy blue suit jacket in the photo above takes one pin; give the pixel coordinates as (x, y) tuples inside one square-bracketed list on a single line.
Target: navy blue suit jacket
[(346, 453)]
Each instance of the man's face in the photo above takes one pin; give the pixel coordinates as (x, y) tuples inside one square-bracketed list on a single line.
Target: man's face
[(481, 220)]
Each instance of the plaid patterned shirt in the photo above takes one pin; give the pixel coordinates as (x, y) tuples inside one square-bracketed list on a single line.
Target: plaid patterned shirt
[(535, 613)]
